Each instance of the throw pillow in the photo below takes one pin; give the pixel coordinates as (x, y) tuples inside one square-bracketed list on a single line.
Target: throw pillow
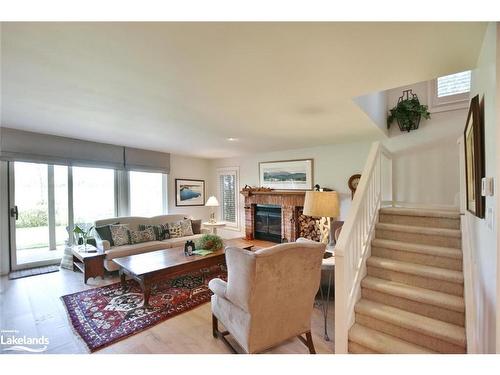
[(196, 225), (138, 236), (175, 230), (160, 230), (119, 233), (187, 229), (104, 233)]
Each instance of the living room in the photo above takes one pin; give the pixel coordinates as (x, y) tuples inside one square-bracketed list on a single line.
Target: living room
[(248, 187)]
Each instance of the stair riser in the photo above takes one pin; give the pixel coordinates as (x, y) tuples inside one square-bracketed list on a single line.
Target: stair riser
[(418, 258), (411, 336), (420, 221), (424, 239), (431, 311), (418, 281), (354, 348)]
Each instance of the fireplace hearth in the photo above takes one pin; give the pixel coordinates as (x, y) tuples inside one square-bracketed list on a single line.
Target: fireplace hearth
[(267, 224)]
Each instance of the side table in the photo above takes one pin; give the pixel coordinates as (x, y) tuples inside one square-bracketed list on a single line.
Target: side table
[(214, 226), (91, 264)]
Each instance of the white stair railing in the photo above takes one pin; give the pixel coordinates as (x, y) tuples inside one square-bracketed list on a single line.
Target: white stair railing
[(375, 189)]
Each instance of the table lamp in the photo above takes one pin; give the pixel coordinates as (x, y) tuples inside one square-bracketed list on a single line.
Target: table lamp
[(323, 204), (212, 202)]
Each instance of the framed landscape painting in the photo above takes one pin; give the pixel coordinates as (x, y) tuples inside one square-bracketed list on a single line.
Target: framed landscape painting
[(474, 158), (189, 192), (287, 175)]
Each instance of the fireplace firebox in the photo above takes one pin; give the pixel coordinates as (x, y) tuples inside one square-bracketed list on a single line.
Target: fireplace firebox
[(268, 223)]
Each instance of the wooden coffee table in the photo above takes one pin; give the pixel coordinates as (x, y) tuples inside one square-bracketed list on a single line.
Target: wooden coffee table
[(155, 266)]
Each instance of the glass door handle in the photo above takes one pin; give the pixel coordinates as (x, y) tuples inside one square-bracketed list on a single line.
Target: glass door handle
[(14, 212)]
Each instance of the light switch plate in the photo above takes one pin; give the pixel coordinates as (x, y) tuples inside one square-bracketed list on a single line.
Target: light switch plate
[(487, 187)]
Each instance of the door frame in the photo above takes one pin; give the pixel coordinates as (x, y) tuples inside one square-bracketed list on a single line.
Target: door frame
[(14, 266)]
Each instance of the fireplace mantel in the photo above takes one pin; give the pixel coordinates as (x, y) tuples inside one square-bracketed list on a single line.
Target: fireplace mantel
[(290, 202)]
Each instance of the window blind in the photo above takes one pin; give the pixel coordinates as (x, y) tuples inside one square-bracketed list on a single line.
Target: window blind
[(20, 145), (146, 161)]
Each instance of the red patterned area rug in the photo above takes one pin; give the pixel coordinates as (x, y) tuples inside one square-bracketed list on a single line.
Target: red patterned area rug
[(105, 315)]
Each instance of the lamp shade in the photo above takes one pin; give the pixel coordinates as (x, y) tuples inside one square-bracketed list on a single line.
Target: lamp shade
[(212, 202), (321, 204)]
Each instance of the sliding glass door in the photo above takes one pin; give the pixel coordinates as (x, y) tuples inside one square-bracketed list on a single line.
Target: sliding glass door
[(47, 201), (39, 213)]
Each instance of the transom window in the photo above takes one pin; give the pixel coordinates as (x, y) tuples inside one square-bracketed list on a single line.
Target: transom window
[(449, 92), (453, 84)]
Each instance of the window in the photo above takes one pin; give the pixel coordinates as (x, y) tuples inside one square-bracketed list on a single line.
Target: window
[(453, 84), (228, 184), (449, 92), (93, 194), (148, 194)]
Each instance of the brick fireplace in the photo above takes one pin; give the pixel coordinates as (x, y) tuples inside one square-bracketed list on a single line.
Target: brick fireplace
[(290, 202)]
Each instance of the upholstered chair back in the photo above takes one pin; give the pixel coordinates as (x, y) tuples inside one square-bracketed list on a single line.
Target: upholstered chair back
[(276, 287)]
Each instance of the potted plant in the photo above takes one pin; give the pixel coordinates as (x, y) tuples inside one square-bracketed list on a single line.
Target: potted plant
[(209, 242), (408, 112), (84, 234)]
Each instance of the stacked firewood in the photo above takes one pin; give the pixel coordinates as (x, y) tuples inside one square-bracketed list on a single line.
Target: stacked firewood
[(308, 227)]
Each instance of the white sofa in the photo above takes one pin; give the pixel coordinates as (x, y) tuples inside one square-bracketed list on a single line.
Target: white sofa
[(133, 222)]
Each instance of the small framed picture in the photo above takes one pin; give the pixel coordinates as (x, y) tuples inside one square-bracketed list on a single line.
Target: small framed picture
[(189, 192), (287, 174), (189, 247)]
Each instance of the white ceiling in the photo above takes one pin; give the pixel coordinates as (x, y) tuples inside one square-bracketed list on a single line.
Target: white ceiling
[(186, 87)]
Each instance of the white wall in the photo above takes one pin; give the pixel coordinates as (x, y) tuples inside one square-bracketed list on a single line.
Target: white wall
[(375, 107), (483, 238), (426, 163), (193, 168), (333, 165)]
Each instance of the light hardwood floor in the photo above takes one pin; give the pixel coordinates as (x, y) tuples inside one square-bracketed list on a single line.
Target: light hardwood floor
[(33, 306)]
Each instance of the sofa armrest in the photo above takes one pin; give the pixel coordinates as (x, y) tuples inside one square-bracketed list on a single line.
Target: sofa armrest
[(218, 286), (102, 244)]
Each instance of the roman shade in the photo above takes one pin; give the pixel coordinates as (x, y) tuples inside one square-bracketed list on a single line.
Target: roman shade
[(146, 160), (19, 145)]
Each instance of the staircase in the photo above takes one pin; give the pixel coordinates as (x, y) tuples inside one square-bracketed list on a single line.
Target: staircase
[(412, 299)]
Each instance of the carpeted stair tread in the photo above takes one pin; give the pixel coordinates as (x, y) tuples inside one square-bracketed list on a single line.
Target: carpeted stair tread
[(443, 232), (416, 269), (382, 343), (446, 252), (421, 324), (420, 212), (427, 296)]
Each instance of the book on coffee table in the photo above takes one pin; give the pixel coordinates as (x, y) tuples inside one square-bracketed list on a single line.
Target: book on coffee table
[(202, 252)]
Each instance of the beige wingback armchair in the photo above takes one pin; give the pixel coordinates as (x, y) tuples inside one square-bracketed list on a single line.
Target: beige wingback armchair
[(269, 295)]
